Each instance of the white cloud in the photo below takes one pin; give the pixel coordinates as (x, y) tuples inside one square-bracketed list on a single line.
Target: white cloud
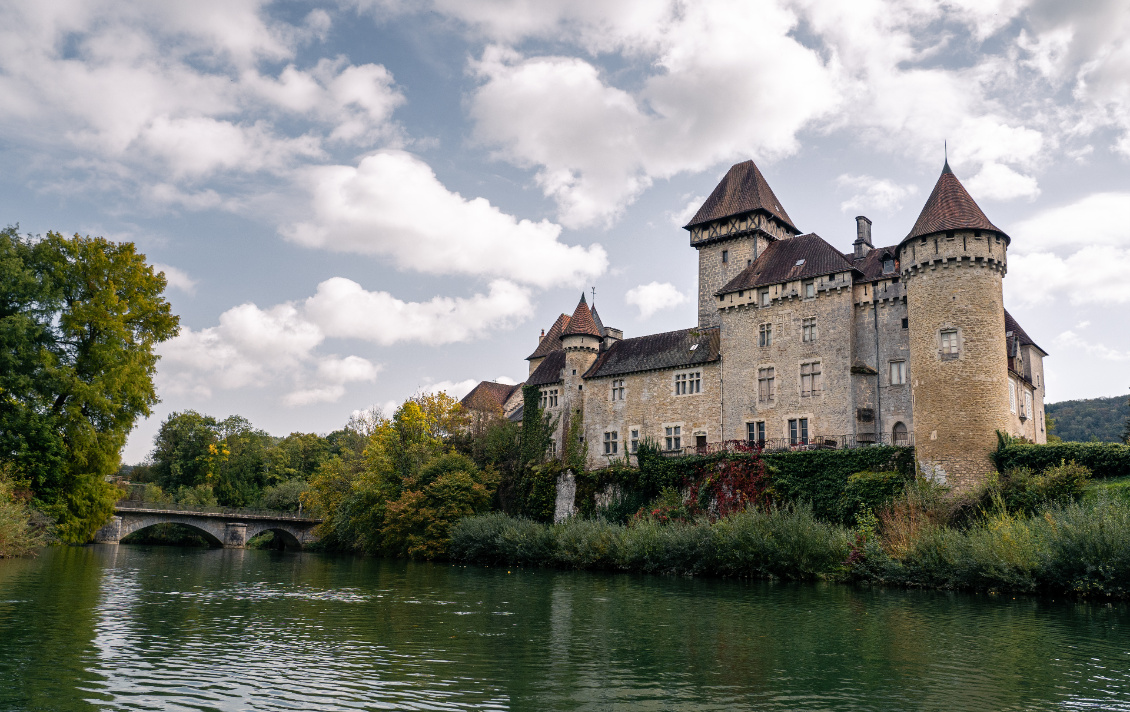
[(653, 297), (455, 389), (344, 309), (278, 347), (682, 217), (997, 181), (710, 94), (873, 193), (176, 278), (393, 205), (1097, 219), (1069, 340), (1092, 275)]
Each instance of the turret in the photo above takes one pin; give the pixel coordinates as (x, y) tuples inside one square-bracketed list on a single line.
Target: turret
[(731, 229), (952, 263)]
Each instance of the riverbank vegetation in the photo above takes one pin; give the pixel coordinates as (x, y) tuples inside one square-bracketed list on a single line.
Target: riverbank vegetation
[(18, 535), (79, 320)]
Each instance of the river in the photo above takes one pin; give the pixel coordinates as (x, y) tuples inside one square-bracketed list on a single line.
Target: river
[(162, 628)]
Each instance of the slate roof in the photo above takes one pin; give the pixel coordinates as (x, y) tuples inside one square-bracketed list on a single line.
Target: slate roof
[(549, 370), (871, 264), (950, 207), (778, 263), (582, 322), (488, 395), (742, 190), (551, 341), (597, 321), (1012, 325), (658, 351)]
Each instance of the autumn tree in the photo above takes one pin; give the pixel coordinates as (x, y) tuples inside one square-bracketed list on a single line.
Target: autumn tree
[(80, 318)]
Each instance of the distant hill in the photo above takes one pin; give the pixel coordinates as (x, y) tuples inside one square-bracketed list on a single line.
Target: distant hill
[(1090, 419)]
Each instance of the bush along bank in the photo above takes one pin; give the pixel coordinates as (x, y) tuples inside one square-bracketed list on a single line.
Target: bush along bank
[(1020, 532)]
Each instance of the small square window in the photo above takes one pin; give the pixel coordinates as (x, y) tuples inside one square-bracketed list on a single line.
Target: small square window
[(905, 323), (950, 346), (764, 297)]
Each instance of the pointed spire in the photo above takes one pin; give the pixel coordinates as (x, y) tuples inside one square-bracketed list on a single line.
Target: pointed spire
[(581, 323), (596, 318), (950, 207), (742, 190)]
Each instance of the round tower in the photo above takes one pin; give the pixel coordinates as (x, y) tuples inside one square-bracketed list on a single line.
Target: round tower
[(581, 341), (952, 263)]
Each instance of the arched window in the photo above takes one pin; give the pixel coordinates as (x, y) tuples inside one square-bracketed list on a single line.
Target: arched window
[(898, 434)]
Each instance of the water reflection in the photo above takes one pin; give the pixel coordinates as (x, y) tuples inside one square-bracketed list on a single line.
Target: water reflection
[(170, 629)]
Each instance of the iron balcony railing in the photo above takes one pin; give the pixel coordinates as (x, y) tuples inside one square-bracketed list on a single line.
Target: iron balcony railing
[(813, 442)]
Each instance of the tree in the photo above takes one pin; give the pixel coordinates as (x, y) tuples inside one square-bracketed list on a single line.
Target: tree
[(80, 318), (184, 450)]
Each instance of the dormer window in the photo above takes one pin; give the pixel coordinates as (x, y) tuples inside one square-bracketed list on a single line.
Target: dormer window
[(888, 264)]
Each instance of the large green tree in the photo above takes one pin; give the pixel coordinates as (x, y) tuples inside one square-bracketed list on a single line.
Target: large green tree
[(80, 318)]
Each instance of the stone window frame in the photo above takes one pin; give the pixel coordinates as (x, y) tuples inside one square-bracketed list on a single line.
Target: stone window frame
[(618, 389), (1027, 403), (816, 378), (803, 425), (755, 431), (1012, 396), (765, 334), (688, 382), (808, 288), (767, 372), (902, 372), (635, 437), (673, 436), (549, 397), (959, 342), (763, 297), (809, 331), (611, 442), (725, 257)]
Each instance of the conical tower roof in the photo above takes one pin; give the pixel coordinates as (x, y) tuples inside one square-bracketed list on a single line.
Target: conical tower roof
[(950, 207), (742, 190), (596, 320), (582, 322), (552, 340)]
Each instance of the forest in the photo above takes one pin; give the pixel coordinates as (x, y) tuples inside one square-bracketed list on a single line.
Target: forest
[(1084, 420)]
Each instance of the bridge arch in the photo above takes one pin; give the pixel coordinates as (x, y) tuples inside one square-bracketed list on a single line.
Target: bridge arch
[(289, 541), (208, 536), (228, 529)]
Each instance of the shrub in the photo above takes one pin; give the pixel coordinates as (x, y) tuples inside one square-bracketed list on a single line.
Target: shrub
[(285, 496), (497, 538), (869, 491), (17, 535), (198, 496), (1102, 459)]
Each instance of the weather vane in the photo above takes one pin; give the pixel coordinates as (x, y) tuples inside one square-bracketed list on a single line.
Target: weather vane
[(594, 296)]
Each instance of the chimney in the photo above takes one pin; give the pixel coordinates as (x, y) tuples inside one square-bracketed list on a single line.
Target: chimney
[(542, 336), (862, 236)]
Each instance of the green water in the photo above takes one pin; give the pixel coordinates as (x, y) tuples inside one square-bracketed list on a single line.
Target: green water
[(152, 628)]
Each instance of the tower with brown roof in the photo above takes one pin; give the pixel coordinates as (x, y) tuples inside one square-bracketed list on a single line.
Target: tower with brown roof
[(952, 263), (737, 222)]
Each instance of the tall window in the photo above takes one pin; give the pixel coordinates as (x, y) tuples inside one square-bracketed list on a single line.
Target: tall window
[(811, 381), (1011, 396), (725, 256), (798, 431), (674, 436), (1027, 404), (949, 343), (764, 297), (680, 384), (755, 433), (635, 441), (809, 290), (898, 373), (611, 442), (766, 388), (618, 389), (808, 329), (765, 335)]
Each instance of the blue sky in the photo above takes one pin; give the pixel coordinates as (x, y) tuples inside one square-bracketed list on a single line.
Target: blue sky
[(355, 201)]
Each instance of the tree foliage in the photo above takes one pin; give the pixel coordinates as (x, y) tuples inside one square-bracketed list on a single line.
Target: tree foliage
[(79, 320), (1090, 419)]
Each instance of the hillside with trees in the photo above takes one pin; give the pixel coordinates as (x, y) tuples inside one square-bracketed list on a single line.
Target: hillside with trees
[(1102, 419)]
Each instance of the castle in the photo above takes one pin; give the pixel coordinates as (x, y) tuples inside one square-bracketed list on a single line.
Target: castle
[(801, 346)]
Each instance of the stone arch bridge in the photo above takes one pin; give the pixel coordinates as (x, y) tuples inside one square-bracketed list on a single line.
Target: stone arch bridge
[(231, 529)]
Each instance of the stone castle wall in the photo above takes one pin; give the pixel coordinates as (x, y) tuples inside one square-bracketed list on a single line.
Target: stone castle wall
[(953, 281), (888, 403)]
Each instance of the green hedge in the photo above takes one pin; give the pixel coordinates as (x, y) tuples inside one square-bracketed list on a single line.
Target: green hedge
[(820, 477), (1103, 459)]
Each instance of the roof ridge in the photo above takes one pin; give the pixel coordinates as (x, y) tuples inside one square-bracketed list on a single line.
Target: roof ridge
[(552, 339)]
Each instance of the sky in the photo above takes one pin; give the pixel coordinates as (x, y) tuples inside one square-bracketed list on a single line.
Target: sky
[(357, 201)]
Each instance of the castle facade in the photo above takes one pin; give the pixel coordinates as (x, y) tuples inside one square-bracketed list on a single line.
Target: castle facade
[(801, 346)]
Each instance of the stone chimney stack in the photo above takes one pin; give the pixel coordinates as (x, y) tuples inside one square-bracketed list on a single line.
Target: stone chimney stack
[(862, 236), (541, 336)]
